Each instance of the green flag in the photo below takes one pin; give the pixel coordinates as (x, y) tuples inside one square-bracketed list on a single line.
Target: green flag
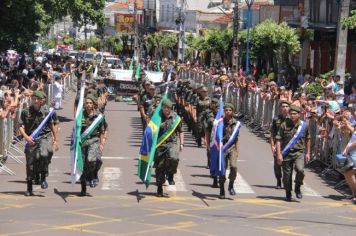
[(131, 64), (138, 71), (159, 66), (76, 143)]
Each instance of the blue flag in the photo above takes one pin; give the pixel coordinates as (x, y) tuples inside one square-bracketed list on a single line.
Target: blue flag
[(217, 160)]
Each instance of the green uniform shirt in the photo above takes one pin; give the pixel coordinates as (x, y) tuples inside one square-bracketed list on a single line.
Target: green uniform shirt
[(31, 119), (286, 132), (202, 104), (88, 120), (146, 102), (276, 124), (166, 124), (229, 126)]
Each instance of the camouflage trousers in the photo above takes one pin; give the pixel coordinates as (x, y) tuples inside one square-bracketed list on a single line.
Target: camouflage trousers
[(166, 161), (297, 163), (38, 157), (230, 161), (91, 154)]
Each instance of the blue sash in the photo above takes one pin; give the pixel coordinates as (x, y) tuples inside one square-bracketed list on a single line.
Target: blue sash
[(39, 129), (295, 139), (233, 137)]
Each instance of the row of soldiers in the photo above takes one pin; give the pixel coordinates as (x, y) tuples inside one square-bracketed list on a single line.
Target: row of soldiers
[(198, 111)]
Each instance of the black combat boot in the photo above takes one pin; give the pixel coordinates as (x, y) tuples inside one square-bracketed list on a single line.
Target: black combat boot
[(170, 179), (44, 184), (279, 184), (83, 192), (37, 179), (231, 188), (199, 142), (159, 190), (297, 191), (222, 191), (29, 189), (215, 182), (288, 196)]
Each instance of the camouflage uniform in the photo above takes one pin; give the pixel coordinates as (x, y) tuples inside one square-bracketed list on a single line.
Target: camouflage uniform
[(276, 123), (167, 154), (90, 148), (201, 105), (296, 155), (231, 154), (38, 157)]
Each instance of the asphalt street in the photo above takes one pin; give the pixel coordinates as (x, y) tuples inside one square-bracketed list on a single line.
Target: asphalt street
[(121, 204)]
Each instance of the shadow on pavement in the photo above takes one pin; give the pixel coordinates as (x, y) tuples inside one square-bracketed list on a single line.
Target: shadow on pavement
[(65, 195), (203, 176), (264, 186), (63, 119), (277, 198), (21, 193)]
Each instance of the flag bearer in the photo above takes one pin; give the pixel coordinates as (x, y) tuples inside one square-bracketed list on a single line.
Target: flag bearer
[(93, 137), (167, 153), (39, 126)]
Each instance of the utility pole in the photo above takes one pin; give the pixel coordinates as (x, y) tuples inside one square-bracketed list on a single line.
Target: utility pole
[(235, 46), (136, 48), (180, 21), (341, 41)]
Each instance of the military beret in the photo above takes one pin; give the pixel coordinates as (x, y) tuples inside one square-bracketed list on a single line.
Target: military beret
[(39, 94), (93, 98), (294, 108), (215, 100), (284, 102), (229, 105), (167, 102)]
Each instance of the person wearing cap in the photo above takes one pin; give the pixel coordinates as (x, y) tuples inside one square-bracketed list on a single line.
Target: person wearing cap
[(200, 106), (294, 158), (276, 124), (167, 153), (39, 151), (232, 153), (208, 126), (93, 145), (155, 102), (145, 103)]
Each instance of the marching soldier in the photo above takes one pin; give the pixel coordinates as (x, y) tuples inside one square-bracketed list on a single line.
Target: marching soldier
[(156, 100), (231, 154), (201, 105), (276, 123), (39, 127), (94, 129), (293, 140), (145, 103), (167, 153), (208, 125)]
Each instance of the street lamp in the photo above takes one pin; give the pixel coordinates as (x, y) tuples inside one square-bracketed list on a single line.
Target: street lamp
[(249, 4)]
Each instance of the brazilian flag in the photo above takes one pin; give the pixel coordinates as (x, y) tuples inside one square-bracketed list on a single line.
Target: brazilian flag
[(149, 145)]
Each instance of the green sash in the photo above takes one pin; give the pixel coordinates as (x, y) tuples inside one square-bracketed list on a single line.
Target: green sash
[(92, 127), (169, 132)]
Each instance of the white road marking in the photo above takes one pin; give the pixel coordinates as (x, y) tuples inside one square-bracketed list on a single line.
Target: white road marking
[(240, 184), (111, 176), (104, 158), (179, 183)]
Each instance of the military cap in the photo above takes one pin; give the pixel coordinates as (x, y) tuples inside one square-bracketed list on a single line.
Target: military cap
[(92, 97), (215, 100), (284, 102), (147, 82), (204, 89), (39, 94), (152, 86), (294, 108), (158, 96), (229, 105), (89, 82), (167, 102)]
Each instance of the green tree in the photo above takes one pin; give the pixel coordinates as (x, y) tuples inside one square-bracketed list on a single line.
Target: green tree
[(68, 40), (114, 44), (350, 21), (48, 43), (94, 42), (219, 41), (159, 42), (271, 42)]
